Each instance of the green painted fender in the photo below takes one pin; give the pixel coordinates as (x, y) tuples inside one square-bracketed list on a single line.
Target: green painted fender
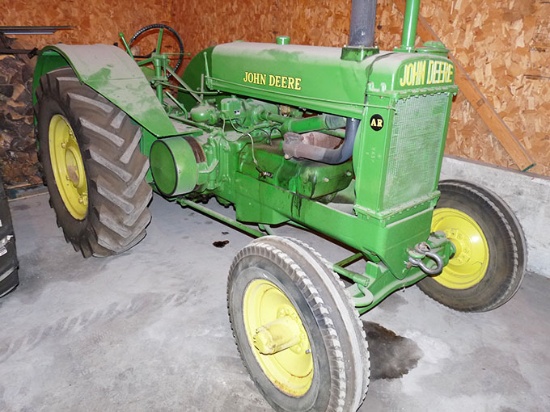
[(113, 74)]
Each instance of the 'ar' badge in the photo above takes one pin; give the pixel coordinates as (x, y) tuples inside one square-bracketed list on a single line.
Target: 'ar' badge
[(376, 122)]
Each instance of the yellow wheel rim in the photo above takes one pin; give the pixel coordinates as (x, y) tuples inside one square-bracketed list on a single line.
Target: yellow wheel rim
[(266, 308), (469, 264), (68, 167)]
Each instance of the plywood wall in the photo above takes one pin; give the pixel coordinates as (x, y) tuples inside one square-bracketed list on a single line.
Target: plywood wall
[(504, 46), (93, 21)]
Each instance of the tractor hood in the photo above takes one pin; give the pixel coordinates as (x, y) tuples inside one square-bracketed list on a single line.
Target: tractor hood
[(318, 79)]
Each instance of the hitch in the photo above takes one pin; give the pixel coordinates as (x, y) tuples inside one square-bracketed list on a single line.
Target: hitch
[(434, 265)]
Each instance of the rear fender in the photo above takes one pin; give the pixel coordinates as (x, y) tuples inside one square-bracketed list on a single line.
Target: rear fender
[(114, 74)]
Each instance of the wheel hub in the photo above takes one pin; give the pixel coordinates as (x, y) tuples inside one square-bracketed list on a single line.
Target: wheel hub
[(68, 167), (469, 264), (278, 337)]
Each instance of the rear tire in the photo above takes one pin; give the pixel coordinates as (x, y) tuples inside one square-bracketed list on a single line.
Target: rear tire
[(328, 368), (489, 264), (93, 166)]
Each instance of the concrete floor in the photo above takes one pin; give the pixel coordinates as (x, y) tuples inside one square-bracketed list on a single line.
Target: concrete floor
[(148, 330)]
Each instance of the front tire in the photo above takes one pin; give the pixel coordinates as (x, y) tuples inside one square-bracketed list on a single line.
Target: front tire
[(92, 166), (297, 331), (491, 253)]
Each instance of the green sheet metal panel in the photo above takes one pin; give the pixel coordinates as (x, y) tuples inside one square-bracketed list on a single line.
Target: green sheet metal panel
[(317, 78), (310, 77), (411, 73), (115, 75)]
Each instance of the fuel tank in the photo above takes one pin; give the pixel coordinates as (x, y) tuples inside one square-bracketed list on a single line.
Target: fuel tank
[(322, 78)]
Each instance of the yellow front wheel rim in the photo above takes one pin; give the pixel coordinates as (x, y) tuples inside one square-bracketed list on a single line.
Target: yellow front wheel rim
[(469, 264), (266, 307), (68, 167)]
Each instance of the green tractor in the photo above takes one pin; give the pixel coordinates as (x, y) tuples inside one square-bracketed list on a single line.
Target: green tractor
[(346, 142)]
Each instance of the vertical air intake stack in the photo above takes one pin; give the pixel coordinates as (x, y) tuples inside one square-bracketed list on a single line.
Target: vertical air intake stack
[(410, 21)]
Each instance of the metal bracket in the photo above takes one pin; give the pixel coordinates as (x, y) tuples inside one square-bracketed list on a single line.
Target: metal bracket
[(421, 251)]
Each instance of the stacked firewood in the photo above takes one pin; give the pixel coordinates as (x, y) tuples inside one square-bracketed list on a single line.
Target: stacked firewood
[(18, 157)]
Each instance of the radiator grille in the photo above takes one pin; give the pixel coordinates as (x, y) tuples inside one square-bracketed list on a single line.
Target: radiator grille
[(417, 137)]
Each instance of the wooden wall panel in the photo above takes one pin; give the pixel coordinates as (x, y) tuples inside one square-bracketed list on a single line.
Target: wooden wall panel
[(315, 22), (503, 44), (94, 21)]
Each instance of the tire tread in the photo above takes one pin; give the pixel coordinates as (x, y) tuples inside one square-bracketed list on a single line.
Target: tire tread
[(109, 142), (516, 255), (340, 398)]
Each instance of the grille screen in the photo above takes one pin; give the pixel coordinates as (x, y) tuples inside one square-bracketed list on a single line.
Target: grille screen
[(416, 141)]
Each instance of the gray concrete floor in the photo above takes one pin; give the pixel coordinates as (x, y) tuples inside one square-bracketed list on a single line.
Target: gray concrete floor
[(148, 330)]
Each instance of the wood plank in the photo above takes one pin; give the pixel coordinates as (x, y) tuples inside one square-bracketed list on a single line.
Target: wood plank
[(477, 99)]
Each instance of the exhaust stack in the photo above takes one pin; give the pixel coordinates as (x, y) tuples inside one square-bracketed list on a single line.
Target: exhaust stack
[(362, 23)]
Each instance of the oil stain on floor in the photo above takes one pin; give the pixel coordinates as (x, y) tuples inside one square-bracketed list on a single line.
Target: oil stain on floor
[(391, 355)]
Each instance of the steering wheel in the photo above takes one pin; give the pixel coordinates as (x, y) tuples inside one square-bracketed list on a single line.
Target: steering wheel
[(160, 29)]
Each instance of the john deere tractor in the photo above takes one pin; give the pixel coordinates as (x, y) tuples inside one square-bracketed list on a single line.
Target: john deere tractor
[(346, 142)]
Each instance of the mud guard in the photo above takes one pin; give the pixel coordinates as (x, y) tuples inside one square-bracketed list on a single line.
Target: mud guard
[(113, 74)]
